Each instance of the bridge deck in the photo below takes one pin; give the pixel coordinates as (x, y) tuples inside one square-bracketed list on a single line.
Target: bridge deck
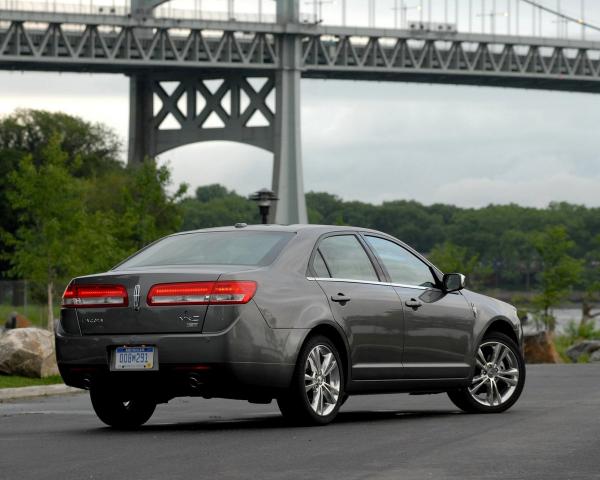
[(121, 44)]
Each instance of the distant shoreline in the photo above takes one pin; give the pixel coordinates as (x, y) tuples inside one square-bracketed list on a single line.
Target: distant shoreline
[(574, 300)]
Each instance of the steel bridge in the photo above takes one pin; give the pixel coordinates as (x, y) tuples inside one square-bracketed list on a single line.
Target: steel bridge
[(225, 72)]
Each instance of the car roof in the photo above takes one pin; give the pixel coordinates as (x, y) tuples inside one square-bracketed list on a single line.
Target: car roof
[(294, 228), (309, 230)]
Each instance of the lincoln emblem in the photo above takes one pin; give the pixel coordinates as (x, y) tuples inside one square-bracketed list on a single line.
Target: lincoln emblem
[(136, 297)]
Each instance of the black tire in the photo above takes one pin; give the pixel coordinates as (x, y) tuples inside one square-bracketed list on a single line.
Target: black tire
[(118, 413), (295, 404), (464, 400)]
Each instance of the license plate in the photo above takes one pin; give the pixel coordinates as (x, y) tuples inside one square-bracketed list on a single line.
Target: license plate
[(134, 358)]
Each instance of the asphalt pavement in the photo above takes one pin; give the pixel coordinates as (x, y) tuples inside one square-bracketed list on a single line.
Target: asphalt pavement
[(553, 432)]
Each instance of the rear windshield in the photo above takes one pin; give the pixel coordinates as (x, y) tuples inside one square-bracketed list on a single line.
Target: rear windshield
[(212, 248)]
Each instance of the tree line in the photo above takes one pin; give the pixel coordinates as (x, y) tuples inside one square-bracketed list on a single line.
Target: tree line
[(69, 206), (546, 252)]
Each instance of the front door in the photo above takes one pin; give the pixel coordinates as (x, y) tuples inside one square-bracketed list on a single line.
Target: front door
[(438, 326), (367, 309)]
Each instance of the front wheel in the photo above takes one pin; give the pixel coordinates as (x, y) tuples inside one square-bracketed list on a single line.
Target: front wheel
[(317, 389), (498, 380), (120, 413)]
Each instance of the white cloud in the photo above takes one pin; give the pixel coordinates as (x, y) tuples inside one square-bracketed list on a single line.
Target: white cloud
[(240, 167)]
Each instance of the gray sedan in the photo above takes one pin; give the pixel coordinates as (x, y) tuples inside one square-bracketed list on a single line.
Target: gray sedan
[(304, 314)]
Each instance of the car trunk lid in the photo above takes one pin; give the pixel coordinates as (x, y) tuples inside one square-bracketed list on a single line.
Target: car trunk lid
[(139, 317)]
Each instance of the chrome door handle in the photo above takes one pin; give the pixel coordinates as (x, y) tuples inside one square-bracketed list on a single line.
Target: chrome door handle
[(413, 303)]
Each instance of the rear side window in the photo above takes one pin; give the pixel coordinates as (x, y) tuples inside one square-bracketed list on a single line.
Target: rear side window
[(319, 266), (346, 258), (212, 248)]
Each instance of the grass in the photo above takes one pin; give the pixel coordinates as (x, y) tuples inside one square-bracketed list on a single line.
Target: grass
[(35, 313), (13, 381), (562, 343), (574, 334)]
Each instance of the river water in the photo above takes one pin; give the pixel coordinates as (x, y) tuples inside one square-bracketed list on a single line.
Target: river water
[(563, 317)]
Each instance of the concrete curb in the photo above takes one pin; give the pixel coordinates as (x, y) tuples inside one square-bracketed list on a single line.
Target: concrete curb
[(39, 391)]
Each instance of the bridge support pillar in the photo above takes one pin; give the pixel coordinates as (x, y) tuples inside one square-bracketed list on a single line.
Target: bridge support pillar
[(200, 113), (288, 181), (142, 139), (141, 134)]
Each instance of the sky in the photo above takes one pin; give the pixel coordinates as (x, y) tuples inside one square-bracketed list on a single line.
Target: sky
[(368, 141)]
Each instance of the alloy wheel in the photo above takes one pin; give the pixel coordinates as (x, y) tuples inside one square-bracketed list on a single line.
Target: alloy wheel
[(496, 374), (322, 380)]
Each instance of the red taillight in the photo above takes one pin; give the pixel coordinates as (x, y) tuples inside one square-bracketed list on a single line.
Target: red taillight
[(87, 296), (197, 293), (202, 293)]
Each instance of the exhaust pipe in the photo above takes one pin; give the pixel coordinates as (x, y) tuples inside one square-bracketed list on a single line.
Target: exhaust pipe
[(87, 382), (195, 382)]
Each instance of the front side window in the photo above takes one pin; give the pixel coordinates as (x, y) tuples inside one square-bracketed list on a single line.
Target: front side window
[(346, 258), (402, 266)]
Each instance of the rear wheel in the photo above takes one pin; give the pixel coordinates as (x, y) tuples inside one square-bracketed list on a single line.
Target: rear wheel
[(317, 389), (121, 413), (498, 380)]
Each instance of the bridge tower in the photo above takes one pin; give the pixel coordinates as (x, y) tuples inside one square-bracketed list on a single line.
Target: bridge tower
[(233, 104)]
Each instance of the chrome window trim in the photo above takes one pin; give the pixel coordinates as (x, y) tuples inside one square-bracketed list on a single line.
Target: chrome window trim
[(368, 282)]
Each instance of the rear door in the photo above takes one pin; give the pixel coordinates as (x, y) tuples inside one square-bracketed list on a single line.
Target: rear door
[(438, 325), (368, 309)]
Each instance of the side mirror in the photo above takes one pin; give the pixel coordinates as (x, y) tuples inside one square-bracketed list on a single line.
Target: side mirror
[(453, 282)]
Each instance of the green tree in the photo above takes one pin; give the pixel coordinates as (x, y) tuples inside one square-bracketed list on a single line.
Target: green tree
[(56, 237), (560, 271), (590, 284), (450, 258), (499, 236), (518, 258), (324, 208), (138, 202), (215, 206), (211, 192), (91, 150), (150, 210)]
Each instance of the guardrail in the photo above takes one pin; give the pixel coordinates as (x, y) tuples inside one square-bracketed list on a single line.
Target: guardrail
[(74, 8), (165, 11)]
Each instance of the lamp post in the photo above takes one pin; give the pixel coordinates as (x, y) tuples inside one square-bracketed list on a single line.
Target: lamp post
[(264, 197), (403, 8)]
